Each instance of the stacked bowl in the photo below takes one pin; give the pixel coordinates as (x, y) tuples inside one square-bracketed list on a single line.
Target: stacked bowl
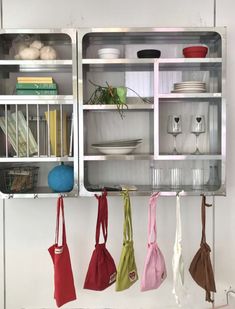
[(195, 51), (108, 53)]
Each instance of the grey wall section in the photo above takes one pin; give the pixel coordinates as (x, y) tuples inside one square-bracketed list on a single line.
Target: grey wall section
[(106, 13)]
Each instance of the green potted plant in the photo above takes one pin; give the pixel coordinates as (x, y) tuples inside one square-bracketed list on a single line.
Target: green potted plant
[(112, 95)]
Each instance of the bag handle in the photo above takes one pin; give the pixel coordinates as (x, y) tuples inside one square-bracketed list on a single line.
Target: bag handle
[(152, 227), (178, 233), (102, 217), (60, 210), (203, 217), (127, 228)]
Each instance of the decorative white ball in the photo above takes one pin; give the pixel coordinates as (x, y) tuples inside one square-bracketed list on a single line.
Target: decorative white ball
[(37, 44), (29, 53), (48, 53)]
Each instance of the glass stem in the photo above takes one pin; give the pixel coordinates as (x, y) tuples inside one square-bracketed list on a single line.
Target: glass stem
[(197, 143), (175, 151)]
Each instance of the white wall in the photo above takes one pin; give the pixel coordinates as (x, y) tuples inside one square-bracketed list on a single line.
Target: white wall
[(104, 13), (225, 213), (1, 256), (31, 223)]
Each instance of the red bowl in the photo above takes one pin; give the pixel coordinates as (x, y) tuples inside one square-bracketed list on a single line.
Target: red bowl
[(195, 51), (195, 55)]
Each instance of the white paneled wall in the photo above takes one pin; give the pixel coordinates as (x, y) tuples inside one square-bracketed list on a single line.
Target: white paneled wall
[(30, 223), (107, 13)]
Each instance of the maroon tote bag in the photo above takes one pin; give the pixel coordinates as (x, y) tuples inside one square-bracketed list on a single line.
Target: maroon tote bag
[(102, 270), (64, 290)]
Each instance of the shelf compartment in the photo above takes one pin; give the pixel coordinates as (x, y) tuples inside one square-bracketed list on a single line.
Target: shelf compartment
[(27, 131), (212, 174), (196, 64), (61, 41), (209, 142), (137, 173), (134, 125), (165, 39), (41, 189), (8, 80)]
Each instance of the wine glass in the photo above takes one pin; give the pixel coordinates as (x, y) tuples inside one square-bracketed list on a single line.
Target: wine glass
[(174, 127), (197, 127)]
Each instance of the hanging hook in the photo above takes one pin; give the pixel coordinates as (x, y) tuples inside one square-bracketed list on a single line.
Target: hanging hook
[(178, 193), (227, 295), (204, 198)]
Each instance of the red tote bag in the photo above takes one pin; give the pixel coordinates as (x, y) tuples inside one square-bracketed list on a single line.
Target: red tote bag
[(102, 270), (64, 290)]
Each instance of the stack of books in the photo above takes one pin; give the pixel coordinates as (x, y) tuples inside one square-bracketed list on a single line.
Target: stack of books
[(36, 86), (58, 132)]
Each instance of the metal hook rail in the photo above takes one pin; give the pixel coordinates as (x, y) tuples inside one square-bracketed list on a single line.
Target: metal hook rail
[(227, 295)]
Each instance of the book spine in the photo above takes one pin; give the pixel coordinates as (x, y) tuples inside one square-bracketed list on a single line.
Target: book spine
[(35, 81), (34, 86), (32, 79), (36, 92)]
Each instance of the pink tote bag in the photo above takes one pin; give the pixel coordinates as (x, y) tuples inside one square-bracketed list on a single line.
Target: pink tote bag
[(154, 269)]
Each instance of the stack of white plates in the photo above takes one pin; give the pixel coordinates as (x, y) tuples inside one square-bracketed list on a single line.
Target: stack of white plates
[(117, 147), (189, 86), (108, 53)]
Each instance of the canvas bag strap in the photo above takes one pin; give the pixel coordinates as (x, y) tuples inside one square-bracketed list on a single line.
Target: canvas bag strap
[(178, 233), (60, 212), (152, 227), (127, 228), (203, 217), (102, 217)]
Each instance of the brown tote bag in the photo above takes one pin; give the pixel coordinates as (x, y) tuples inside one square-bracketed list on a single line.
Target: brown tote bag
[(201, 268)]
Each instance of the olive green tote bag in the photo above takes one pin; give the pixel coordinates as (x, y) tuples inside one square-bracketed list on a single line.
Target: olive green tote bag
[(127, 271)]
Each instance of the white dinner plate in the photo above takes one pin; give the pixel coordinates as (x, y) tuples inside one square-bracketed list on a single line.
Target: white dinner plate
[(119, 143), (190, 88), (115, 150), (189, 91), (190, 82)]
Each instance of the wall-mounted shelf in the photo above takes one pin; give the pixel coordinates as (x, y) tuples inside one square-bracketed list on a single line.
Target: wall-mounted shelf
[(154, 79), (30, 137), (150, 79)]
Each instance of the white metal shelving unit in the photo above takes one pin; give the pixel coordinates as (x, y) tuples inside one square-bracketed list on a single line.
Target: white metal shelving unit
[(63, 70), (100, 123)]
